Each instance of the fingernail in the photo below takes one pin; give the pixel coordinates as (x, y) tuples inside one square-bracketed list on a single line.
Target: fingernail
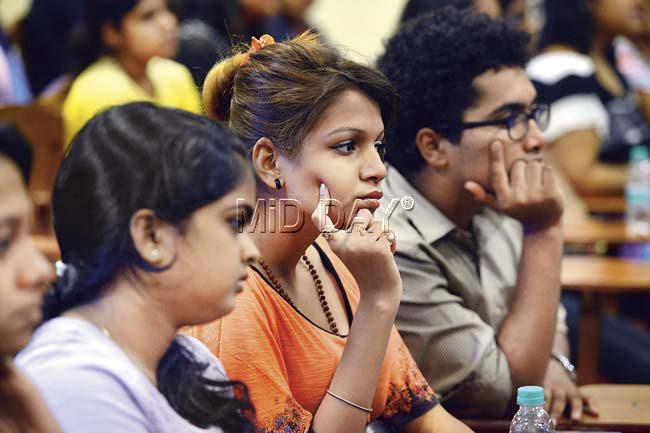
[(323, 190)]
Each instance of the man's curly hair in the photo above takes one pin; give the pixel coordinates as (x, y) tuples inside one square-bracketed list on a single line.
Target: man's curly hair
[(432, 60)]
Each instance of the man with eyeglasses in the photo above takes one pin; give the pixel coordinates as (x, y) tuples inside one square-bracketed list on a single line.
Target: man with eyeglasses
[(479, 253)]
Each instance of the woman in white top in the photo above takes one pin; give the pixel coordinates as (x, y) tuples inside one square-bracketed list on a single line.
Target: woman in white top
[(595, 117), (149, 208)]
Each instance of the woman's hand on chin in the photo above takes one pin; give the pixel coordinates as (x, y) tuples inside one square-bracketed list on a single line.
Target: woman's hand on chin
[(365, 249)]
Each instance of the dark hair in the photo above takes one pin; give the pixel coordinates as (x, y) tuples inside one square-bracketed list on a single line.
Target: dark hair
[(282, 90), (567, 22), (432, 61), (87, 39), (505, 4), (15, 147), (133, 157), (228, 18), (415, 8)]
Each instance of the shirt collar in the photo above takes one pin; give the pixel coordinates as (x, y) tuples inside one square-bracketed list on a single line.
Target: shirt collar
[(425, 217)]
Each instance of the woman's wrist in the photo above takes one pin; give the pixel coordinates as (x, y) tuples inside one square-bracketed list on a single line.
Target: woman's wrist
[(381, 302)]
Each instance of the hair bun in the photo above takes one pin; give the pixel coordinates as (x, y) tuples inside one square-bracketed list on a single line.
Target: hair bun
[(218, 84)]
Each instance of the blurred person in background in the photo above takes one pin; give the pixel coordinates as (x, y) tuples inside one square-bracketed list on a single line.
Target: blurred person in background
[(235, 21), (6, 87), (210, 28), (124, 56), (415, 8), (199, 47), (511, 10), (595, 120), (24, 277), (633, 60), (515, 11), (596, 117), (46, 41), (14, 86), (293, 13)]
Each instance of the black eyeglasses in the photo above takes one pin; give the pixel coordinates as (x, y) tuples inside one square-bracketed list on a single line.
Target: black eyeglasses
[(517, 123)]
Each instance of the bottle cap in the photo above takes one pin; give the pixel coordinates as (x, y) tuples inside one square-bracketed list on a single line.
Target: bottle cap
[(639, 153), (530, 395)]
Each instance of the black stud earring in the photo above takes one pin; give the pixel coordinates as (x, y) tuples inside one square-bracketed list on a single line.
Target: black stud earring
[(278, 184)]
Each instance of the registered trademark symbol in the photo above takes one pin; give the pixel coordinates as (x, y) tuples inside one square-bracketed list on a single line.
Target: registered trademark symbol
[(407, 202)]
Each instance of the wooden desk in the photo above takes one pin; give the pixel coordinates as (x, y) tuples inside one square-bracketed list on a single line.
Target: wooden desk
[(597, 278), (48, 246), (595, 274), (613, 205), (623, 408), (593, 230)]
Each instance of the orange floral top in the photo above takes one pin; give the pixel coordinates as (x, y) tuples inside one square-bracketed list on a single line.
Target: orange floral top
[(288, 362)]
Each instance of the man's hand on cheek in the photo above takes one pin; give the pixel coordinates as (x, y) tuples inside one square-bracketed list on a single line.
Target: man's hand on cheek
[(528, 193)]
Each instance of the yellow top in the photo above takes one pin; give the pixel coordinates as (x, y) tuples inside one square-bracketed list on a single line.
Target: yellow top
[(104, 84)]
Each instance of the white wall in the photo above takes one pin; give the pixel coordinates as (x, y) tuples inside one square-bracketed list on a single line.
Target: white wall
[(360, 25)]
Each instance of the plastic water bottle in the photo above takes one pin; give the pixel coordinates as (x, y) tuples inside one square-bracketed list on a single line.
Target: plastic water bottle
[(637, 193), (531, 416)]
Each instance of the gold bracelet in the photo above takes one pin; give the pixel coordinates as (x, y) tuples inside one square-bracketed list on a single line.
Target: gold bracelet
[(338, 397)]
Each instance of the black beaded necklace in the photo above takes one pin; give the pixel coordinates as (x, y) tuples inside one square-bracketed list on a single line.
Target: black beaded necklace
[(319, 291)]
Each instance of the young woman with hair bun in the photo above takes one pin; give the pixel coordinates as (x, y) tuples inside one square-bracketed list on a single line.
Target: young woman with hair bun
[(312, 334)]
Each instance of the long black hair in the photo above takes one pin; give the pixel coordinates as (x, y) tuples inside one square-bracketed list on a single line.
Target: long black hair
[(133, 157), (87, 39)]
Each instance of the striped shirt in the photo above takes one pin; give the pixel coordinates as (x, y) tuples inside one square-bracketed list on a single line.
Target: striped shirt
[(567, 82)]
